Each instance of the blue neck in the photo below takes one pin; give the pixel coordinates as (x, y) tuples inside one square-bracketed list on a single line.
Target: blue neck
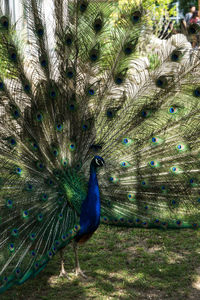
[(90, 209), (93, 189), (93, 177)]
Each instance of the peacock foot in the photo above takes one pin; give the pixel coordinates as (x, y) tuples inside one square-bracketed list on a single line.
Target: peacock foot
[(64, 274), (78, 272)]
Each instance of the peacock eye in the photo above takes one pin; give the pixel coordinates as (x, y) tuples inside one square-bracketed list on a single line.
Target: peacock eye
[(97, 161)]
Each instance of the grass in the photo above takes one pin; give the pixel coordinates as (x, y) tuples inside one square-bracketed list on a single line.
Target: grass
[(123, 264)]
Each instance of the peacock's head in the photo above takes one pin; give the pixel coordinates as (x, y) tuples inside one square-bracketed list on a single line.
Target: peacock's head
[(97, 161)]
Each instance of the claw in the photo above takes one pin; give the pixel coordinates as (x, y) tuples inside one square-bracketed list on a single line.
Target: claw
[(63, 274), (78, 272)]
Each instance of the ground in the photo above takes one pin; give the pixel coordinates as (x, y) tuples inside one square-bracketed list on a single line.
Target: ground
[(121, 263)]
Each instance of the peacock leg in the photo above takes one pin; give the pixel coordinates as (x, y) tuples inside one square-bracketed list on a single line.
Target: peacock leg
[(63, 273), (78, 270)]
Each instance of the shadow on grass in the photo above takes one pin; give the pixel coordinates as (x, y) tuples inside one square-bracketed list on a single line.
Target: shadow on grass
[(124, 263)]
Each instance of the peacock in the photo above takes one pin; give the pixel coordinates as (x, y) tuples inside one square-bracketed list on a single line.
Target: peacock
[(100, 123)]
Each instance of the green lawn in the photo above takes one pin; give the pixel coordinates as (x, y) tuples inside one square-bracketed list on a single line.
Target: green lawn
[(124, 264)]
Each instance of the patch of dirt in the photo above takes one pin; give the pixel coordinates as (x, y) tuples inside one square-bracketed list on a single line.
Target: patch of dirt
[(195, 291), (154, 249)]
